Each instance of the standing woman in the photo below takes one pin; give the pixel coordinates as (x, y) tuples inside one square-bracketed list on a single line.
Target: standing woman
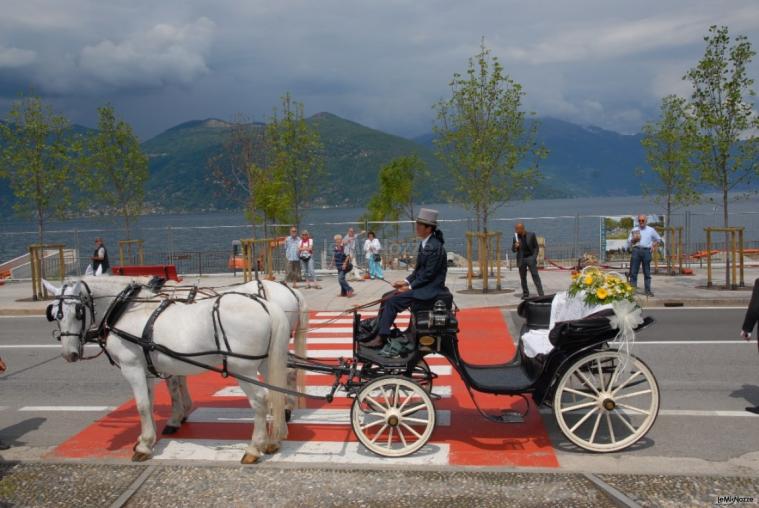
[(372, 248), (306, 254)]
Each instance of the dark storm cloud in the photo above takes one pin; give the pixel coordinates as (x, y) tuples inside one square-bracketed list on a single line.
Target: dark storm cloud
[(379, 63)]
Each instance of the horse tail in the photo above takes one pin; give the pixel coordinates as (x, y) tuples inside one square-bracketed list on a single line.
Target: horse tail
[(300, 336), (276, 368)]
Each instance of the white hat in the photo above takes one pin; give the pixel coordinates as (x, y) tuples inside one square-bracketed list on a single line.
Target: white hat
[(427, 216)]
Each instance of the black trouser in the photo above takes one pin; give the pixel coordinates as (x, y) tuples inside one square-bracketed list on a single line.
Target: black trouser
[(391, 307), (532, 264)]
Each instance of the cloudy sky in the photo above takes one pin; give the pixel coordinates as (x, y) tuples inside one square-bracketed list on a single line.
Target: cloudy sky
[(382, 63)]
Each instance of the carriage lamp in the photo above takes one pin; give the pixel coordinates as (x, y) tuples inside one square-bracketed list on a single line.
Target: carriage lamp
[(439, 314)]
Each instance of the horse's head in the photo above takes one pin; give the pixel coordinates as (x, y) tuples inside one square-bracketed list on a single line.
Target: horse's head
[(73, 311)]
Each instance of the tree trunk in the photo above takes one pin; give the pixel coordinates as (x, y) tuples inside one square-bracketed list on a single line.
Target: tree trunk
[(725, 221)]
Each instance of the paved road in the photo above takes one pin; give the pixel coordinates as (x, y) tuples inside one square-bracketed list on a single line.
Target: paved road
[(700, 363)]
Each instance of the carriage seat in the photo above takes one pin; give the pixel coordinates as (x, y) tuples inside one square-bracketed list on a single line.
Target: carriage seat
[(425, 305)]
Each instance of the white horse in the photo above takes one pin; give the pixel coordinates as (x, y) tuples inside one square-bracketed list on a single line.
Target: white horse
[(293, 303), (255, 329)]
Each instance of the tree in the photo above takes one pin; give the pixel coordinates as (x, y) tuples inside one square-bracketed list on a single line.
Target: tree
[(396, 190), (38, 153), (117, 169), (484, 138), (296, 153), (727, 145), (669, 145)]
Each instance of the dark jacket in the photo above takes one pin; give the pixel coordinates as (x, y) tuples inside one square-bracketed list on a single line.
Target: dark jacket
[(528, 246), (339, 258), (428, 278), (752, 313), (104, 262)]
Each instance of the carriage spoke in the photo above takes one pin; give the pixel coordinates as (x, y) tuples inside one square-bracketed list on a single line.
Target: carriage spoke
[(387, 399), (395, 395), (374, 403), (413, 410), (579, 406), (611, 428), (416, 420), (595, 427), (390, 437), (624, 420), (634, 394), (578, 392), (410, 396), (634, 409), (410, 429), (372, 424), (403, 438), (374, 439), (600, 373), (636, 374), (614, 375), (583, 419), (586, 382)]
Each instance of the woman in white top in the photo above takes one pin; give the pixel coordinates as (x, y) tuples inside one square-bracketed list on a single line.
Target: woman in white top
[(372, 248)]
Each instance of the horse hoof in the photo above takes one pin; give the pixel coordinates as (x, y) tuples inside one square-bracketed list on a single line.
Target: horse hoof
[(170, 429), (271, 448), (249, 458), (140, 457), (184, 419), (288, 414)]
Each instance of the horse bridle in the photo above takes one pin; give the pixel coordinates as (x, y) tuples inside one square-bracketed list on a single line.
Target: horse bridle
[(83, 304)]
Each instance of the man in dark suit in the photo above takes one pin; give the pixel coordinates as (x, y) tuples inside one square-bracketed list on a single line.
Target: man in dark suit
[(428, 278), (525, 244), (749, 323)]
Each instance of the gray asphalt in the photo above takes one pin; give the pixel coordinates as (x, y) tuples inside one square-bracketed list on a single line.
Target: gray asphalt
[(705, 377)]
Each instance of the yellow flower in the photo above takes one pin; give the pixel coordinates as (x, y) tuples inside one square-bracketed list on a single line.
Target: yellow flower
[(588, 280), (601, 293)]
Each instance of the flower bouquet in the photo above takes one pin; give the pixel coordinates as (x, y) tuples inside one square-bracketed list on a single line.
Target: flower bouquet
[(600, 287)]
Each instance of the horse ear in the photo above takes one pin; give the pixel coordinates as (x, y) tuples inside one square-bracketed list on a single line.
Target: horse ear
[(51, 288)]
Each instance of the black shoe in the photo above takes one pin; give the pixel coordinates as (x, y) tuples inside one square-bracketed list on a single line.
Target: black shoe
[(4, 445), (649, 293), (525, 297), (754, 410)]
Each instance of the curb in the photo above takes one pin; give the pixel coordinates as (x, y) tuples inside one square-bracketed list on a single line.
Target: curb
[(22, 312)]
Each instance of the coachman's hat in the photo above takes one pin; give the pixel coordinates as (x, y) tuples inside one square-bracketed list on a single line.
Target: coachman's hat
[(427, 216)]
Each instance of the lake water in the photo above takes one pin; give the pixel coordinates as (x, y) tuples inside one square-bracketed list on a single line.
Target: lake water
[(566, 224)]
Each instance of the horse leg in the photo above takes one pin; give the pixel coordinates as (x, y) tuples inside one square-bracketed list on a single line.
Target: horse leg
[(186, 399), (142, 387), (177, 386), (260, 441)]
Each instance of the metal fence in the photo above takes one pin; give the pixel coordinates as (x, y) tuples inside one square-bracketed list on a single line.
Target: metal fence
[(207, 249)]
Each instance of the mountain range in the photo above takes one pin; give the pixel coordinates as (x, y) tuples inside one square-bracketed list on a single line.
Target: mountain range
[(582, 161)]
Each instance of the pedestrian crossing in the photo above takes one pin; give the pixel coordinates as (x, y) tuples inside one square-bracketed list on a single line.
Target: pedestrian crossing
[(220, 425)]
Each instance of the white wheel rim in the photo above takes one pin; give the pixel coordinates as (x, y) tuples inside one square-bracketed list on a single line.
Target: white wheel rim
[(393, 416), (604, 403)]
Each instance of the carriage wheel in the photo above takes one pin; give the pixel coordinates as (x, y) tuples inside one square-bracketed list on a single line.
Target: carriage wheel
[(606, 401), (393, 416)]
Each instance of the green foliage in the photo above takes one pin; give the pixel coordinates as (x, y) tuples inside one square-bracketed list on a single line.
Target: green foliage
[(396, 190), (116, 170), (484, 138), (722, 106), (669, 145), (296, 155), (38, 156)]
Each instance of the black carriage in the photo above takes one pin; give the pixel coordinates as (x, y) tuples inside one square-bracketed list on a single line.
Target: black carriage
[(603, 399)]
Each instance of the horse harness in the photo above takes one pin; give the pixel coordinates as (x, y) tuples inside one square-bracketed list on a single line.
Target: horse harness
[(119, 305)]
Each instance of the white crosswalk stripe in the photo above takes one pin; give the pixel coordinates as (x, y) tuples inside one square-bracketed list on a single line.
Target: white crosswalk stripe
[(443, 391), (321, 416)]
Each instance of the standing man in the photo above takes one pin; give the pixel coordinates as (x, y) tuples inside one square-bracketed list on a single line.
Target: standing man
[(643, 240), (292, 255), (3, 445), (749, 323), (525, 244), (428, 278), (100, 258), (349, 243)]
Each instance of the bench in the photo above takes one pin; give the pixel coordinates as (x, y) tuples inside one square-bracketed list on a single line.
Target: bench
[(168, 272)]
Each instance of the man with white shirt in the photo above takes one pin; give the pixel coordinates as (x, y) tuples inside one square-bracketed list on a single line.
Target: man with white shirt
[(428, 278), (643, 240)]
